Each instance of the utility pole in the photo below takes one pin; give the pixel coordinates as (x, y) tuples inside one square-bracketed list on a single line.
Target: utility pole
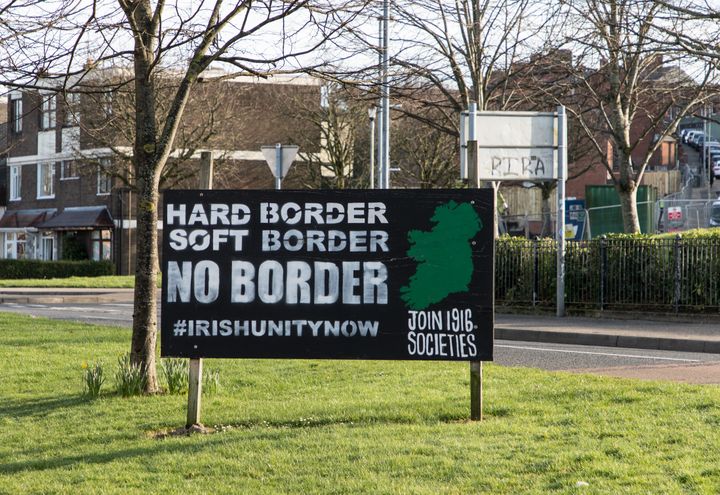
[(372, 113), (705, 162), (385, 98), (560, 221)]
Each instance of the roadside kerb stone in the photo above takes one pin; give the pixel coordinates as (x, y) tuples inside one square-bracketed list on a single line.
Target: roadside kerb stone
[(608, 340)]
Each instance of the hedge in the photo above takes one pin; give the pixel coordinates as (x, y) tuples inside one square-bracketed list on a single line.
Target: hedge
[(622, 272), (17, 269)]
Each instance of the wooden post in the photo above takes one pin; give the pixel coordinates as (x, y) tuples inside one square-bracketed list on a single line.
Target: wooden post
[(206, 170), (194, 393), (473, 165), (195, 370), (476, 399)]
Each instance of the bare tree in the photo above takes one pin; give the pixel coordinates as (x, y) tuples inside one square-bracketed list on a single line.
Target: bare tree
[(52, 38), (426, 156), (107, 107), (337, 119), (631, 85), (452, 53)]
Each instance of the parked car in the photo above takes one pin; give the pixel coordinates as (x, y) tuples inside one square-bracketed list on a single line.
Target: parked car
[(713, 157), (688, 137), (715, 214), (716, 168), (698, 141)]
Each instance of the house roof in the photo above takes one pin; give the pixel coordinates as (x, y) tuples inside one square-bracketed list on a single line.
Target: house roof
[(81, 218), (21, 219)]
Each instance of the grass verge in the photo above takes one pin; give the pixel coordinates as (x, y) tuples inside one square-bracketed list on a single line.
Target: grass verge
[(109, 282), (343, 427)]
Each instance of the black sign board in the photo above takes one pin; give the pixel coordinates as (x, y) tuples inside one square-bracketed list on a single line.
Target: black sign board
[(383, 274)]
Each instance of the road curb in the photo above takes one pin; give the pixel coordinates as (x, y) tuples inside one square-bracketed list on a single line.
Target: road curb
[(609, 340), (65, 299)]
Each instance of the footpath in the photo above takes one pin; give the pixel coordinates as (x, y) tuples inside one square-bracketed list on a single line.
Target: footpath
[(689, 334)]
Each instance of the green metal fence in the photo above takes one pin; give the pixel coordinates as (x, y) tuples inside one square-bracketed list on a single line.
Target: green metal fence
[(663, 275)]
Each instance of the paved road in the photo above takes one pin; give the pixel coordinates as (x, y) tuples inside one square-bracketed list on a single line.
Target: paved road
[(638, 363)]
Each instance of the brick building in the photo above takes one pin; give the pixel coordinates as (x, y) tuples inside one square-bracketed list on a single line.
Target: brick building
[(68, 165)]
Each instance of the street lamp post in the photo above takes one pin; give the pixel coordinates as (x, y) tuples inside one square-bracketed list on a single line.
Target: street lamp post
[(372, 113)]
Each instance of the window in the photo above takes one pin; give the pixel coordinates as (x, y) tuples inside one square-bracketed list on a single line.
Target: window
[(47, 245), (101, 245), (17, 110), (46, 180), (15, 245), (68, 170), (104, 179), (15, 182), (72, 111), (49, 107)]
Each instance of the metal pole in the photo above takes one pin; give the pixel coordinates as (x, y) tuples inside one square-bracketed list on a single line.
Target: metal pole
[(472, 118), (385, 164), (706, 162), (278, 166), (704, 149), (560, 223), (196, 365), (380, 109), (463, 146), (372, 148)]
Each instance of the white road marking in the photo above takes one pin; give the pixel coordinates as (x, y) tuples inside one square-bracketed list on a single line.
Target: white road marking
[(82, 309), (567, 351)]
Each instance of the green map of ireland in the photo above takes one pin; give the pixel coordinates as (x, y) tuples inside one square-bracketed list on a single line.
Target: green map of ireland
[(443, 254)]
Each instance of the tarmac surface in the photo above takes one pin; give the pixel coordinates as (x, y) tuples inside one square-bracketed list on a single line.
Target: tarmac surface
[(689, 334)]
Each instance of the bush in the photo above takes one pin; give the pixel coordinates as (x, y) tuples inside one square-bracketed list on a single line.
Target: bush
[(129, 377), (17, 269), (93, 378), (622, 271), (175, 371)]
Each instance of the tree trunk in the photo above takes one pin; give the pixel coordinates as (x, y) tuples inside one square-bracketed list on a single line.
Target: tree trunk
[(144, 336), (628, 207), (147, 170)]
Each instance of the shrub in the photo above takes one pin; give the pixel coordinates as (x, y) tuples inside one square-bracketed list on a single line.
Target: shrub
[(211, 381), (175, 372), (129, 377), (93, 378), (16, 269)]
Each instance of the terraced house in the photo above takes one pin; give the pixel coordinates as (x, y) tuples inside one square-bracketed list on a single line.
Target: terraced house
[(68, 169)]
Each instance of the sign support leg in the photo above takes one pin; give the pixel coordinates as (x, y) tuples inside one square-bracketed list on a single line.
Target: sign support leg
[(475, 366), (476, 387), (194, 393), (195, 369), (278, 166)]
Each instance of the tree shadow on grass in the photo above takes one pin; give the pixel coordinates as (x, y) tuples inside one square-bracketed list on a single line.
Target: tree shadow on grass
[(38, 407), (104, 457)]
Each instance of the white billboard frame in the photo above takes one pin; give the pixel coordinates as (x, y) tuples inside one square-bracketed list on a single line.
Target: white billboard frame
[(508, 146), (512, 146)]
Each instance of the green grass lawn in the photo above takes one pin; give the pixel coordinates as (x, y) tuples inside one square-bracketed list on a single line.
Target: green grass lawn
[(110, 282), (343, 427)]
